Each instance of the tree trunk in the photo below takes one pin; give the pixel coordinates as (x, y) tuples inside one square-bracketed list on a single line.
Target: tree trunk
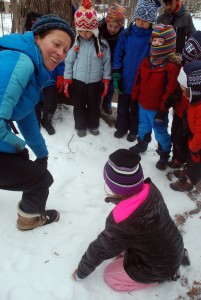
[(14, 6), (62, 8)]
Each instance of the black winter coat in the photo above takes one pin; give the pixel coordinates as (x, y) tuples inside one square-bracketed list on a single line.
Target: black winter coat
[(111, 39), (152, 243), (182, 23)]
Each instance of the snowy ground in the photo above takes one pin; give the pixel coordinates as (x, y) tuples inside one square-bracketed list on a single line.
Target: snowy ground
[(38, 264)]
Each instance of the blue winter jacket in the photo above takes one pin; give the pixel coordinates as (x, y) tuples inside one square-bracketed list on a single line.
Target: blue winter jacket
[(133, 45), (22, 77)]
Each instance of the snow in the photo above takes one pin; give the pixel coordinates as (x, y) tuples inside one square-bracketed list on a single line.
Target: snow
[(38, 264)]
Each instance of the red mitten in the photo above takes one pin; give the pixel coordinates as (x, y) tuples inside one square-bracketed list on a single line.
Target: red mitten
[(195, 157), (106, 83), (60, 81), (67, 82)]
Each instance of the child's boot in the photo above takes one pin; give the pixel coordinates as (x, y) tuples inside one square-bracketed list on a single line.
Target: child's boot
[(182, 185), (140, 147), (163, 161), (46, 122), (26, 221)]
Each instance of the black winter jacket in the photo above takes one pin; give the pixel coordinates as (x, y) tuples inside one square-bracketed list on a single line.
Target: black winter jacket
[(182, 23), (152, 243), (111, 39)]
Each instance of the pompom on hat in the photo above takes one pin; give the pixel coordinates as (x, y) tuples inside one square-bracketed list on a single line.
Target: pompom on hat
[(51, 22), (116, 13), (86, 19), (192, 48), (146, 10), (123, 173)]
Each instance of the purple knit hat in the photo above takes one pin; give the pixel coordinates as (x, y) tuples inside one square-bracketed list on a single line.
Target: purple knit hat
[(123, 173)]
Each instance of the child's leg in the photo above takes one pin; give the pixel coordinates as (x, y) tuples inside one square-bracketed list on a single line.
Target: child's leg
[(116, 277), (93, 104), (79, 93), (123, 114), (107, 100)]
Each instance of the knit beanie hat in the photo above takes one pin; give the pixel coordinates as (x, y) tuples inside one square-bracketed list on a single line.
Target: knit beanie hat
[(193, 72), (50, 22), (123, 173), (159, 53), (86, 20), (146, 10), (116, 13), (192, 48)]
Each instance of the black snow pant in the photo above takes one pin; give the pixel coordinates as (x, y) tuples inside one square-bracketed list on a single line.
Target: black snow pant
[(194, 169), (32, 178), (48, 105), (179, 140), (86, 100), (127, 120)]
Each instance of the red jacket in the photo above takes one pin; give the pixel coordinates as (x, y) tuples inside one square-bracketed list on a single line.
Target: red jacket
[(153, 86), (194, 122), (181, 106)]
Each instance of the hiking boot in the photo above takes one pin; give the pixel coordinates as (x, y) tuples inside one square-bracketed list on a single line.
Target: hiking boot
[(131, 137), (161, 164), (26, 221), (48, 126), (181, 185), (180, 173), (119, 134), (140, 147), (174, 164), (81, 132), (94, 131)]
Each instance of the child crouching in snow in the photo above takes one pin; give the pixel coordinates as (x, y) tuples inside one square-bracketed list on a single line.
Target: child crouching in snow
[(139, 226)]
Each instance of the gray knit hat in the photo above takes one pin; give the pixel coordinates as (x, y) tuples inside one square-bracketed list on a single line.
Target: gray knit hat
[(50, 22)]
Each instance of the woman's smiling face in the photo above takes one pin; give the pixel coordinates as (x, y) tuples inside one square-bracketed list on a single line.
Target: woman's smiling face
[(54, 47)]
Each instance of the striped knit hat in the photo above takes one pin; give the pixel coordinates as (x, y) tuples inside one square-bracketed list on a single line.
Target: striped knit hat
[(193, 72), (123, 173), (160, 53), (116, 13), (146, 10), (192, 49)]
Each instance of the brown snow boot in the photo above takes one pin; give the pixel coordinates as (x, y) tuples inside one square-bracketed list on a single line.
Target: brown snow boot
[(181, 172), (182, 185), (28, 221)]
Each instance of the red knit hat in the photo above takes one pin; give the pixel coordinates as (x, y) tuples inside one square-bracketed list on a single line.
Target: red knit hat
[(86, 18)]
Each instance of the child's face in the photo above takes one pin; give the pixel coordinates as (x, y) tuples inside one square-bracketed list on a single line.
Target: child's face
[(157, 41), (171, 6), (142, 24), (86, 35), (113, 27)]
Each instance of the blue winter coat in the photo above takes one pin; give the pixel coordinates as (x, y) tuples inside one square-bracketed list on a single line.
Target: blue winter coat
[(58, 71), (133, 45), (22, 78)]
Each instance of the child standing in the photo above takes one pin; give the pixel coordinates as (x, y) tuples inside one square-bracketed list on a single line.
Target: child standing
[(110, 29), (155, 82), (132, 46), (189, 79), (139, 227), (87, 64)]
